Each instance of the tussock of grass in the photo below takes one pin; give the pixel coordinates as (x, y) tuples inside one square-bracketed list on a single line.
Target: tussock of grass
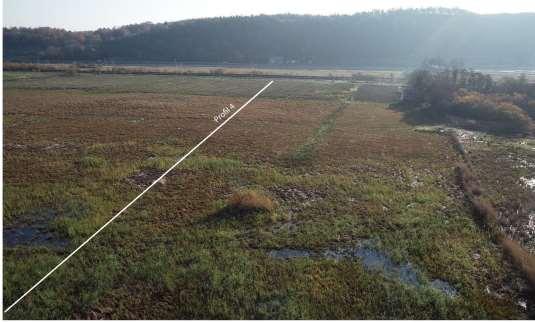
[(159, 163), (168, 150), (103, 147), (92, 162), (249, 200), (213, 164), (194, 163)]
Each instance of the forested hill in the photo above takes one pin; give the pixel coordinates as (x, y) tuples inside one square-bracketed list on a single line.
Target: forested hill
[(398, 38)]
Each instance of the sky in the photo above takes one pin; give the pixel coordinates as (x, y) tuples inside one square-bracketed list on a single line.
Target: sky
[(79, 15)]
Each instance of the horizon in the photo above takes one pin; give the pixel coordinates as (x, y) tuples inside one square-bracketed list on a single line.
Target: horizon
[(83, 16)]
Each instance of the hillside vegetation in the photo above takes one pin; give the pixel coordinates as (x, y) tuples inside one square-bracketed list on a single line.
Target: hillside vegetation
[(392, 38)]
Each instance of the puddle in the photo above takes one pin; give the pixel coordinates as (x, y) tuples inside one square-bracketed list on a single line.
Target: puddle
[(136, 120), (377, 261), (145, 177), (354, 88), (523, 163), (444, 287), (467, 137), (32, 236), (529, 227), (54, 146), (518, 161), (298, 195), (286, 254), (528, 182), (298, 198), (14, 146), (75, 209), (33, 230), (373, 260)]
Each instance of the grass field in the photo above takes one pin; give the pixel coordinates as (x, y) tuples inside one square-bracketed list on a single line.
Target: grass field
[(365, 218), (311, 73)]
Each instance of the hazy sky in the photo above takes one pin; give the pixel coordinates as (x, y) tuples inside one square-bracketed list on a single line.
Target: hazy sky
[(92, 14)]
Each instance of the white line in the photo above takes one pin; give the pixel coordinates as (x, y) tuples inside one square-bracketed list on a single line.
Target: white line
[(137, 197)]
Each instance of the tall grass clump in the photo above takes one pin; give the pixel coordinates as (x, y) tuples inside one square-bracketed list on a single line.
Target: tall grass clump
[(89, 162), (250, 200)]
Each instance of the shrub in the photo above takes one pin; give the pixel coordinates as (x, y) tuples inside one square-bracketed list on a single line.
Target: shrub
[(450, 94), (473, 105), (437, 87), (249, 200), (513, 85)]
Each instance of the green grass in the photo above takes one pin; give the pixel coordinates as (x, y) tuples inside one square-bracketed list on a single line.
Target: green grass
[(217, 268), (306, 151), (176, 85), (89, 162)]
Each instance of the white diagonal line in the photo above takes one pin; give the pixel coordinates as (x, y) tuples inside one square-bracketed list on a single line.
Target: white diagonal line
[(137, 197)]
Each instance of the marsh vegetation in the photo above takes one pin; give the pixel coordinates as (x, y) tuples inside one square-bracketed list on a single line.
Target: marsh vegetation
[(375, 205)]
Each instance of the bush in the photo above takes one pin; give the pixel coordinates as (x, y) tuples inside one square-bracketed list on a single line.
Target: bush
[(450, 94), (437, 87), (507, 116), (513, 85)]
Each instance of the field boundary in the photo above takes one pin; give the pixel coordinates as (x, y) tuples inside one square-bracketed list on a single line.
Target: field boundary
[(487, 215)]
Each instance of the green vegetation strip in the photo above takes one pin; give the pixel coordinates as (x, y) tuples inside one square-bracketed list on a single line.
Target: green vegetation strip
[(307, 151)]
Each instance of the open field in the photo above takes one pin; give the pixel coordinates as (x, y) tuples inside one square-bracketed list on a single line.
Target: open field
[(394, 76), (366, 218), (299, 73)]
